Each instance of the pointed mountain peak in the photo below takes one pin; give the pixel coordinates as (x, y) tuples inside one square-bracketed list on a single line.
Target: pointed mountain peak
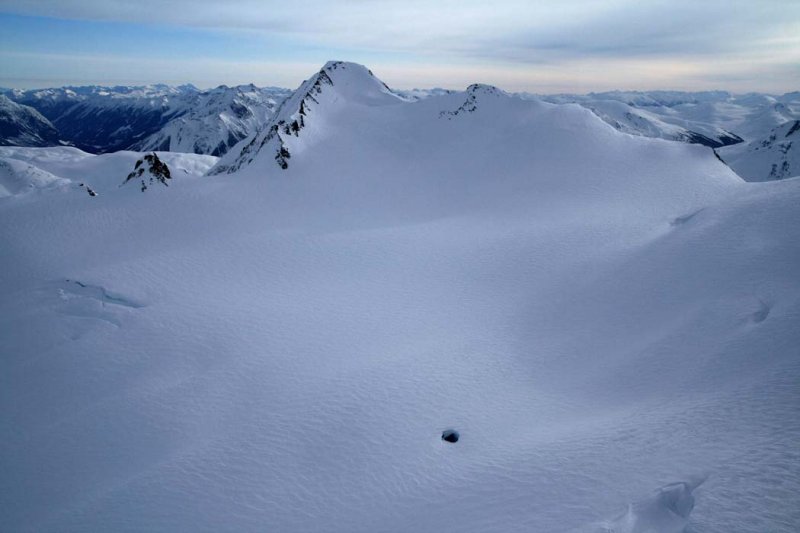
[(336, 85), (346, 68), (352, 81)]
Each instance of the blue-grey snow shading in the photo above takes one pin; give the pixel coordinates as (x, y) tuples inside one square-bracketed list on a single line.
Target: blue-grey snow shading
[(599, 315)]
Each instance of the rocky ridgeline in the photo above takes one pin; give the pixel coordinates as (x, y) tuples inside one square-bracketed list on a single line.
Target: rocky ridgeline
[(470, 105), (295, 111), (283, 125)]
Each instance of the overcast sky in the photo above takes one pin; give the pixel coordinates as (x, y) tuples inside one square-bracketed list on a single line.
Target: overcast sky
[(519, 45)]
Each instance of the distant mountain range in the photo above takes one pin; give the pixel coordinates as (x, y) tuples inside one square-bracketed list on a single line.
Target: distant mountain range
[(22, 125), (183, 118), (742, 127), (186, 119)]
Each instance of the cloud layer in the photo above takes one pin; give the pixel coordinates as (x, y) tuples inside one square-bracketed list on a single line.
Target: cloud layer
[(572, 44)]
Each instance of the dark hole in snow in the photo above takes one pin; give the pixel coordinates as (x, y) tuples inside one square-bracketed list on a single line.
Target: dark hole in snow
[(450, 435), (762, 313)]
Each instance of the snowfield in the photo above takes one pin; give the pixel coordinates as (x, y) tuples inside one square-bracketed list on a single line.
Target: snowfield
[(609, 321), (104, 172)]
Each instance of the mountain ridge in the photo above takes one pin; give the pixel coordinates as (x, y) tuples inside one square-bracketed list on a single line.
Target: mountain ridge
[(103, 119), (186, 119), (23, 125), (351, 82)]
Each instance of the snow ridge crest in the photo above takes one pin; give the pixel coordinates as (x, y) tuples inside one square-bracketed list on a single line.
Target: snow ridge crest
[(343, 81), (475, 92)]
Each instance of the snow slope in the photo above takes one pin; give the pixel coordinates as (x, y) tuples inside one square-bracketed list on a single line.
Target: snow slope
[(643, 122), (102, 172), (775, 157), (336, 85), (17, 177), (713, 118), (23, 125), (599, 315), (642, 116), (216, 121)]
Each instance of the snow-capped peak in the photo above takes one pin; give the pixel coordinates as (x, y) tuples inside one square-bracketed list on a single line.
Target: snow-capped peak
[(337, 84), (357, 83)]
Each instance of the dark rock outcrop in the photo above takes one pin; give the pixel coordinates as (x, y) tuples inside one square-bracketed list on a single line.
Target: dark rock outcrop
[(148, 171)]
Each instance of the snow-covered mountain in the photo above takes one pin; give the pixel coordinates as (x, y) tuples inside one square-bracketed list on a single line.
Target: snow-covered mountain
[(67, 169), (643, 122), (185, 119), (106, 119), (775, 157), (713, 118), (22, 125), (335, 85), (741, 126), (283, 344), (216, 120), (644, 114), (157, 117), (749, 116)]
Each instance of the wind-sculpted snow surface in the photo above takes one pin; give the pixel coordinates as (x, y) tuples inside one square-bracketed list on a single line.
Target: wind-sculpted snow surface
[(666, 510), (596, 315)]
